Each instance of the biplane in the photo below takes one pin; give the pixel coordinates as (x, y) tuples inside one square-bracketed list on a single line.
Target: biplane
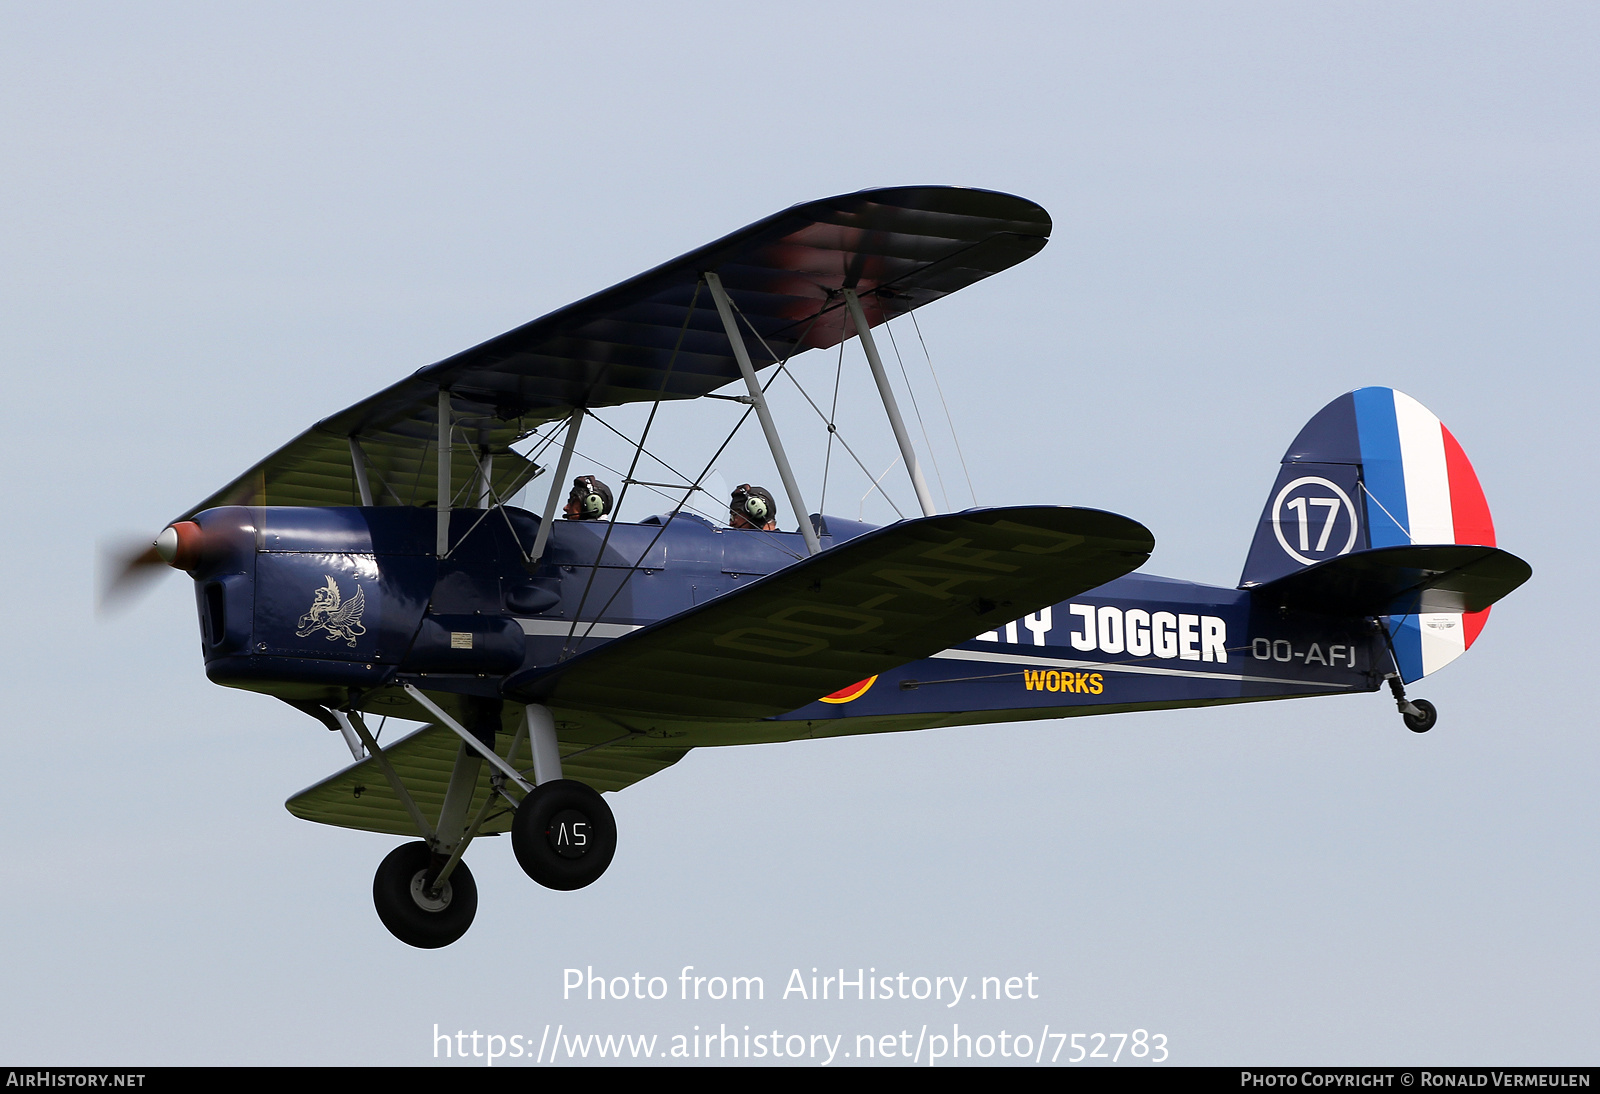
[(375, 565)]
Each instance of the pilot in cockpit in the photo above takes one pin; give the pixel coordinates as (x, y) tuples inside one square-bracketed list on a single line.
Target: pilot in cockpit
[(590, 499), (753, 507)]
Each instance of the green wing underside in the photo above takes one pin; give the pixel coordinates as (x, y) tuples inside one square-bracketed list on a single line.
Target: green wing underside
[(360, 795), (895, 595)]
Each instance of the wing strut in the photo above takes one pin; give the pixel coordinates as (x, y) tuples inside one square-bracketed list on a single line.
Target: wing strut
[(353, 721), (358, 465), (467, 739), (442, 534), (556, 484), (896, 423), (485, 479), (741, 354)]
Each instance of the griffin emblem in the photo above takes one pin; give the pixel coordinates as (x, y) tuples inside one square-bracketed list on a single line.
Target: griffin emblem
[(340, 618)]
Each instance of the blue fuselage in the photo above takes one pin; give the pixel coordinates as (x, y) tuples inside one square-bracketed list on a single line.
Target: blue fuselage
[(320, 604)]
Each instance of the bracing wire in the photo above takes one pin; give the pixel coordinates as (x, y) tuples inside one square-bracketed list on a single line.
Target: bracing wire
[(655, 488), (952, 423), (646, 451), (783, 367), (833, 417), (667, 520), (911, 391), (500, 500), (861, 509), (655, 406)]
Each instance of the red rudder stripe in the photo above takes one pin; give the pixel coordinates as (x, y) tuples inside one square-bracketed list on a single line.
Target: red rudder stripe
[(1469, 509)]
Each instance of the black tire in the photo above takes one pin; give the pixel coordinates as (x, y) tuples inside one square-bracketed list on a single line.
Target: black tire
[(406, 909), (564, 835), (1424, 723)]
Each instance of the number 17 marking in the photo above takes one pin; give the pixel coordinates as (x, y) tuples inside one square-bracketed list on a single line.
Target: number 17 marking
[(1331, 505)]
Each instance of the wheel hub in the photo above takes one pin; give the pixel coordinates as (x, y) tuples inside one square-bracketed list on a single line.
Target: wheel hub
[(436, 901), (568, 834)]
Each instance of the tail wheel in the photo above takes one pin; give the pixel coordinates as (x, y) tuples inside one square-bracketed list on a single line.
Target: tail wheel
[(1424, 719), (415, 914), (564, 835)]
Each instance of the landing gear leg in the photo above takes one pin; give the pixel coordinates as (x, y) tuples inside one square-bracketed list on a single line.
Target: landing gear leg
[(423, 892), (1419, 715)]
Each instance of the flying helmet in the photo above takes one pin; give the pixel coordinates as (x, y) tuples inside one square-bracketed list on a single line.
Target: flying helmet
[(591, 496), (755, 504)]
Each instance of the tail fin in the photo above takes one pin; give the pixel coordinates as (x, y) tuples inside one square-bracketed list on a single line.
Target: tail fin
[(1375, 468)]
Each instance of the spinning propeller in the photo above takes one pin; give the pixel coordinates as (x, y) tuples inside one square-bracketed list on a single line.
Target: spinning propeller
[(128, 568)]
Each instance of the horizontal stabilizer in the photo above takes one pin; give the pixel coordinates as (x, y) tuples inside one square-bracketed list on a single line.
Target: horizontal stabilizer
[(1407, 580), (890, 596)]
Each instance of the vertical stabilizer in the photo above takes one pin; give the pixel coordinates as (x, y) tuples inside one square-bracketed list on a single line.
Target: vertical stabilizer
[(1375, 468)]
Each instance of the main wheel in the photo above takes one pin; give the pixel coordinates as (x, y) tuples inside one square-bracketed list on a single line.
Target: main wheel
[(563, 834), (1424, 723), (412, 914)]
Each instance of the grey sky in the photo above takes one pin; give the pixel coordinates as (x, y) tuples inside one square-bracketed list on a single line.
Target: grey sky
[(219, 223)]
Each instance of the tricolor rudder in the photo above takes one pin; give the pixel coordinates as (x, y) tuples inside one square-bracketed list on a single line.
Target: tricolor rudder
[(1375, 468)]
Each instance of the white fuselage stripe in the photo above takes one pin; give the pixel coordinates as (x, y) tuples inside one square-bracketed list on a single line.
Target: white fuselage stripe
[(585, 629), (617, 630), (1105, 666)]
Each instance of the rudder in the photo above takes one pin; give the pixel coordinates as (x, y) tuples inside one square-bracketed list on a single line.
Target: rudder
[(1372, 469)]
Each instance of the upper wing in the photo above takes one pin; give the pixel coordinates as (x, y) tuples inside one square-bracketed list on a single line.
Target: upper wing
[(890, 596), (899, 248)]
